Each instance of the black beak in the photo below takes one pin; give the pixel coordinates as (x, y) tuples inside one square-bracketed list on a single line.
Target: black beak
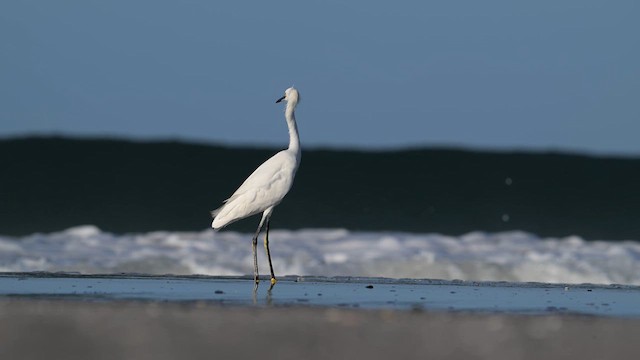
[(282, 98)]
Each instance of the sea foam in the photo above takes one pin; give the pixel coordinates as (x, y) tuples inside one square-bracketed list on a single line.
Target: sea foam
[(505, 256)]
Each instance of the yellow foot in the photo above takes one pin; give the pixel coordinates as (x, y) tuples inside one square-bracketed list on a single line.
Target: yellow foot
[(273, 281)]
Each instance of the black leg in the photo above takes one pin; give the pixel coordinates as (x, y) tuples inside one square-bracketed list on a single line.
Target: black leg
[(266, 246), (254, 246)]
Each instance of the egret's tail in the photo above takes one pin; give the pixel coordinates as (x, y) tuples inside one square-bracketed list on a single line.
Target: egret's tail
[(215, 213)]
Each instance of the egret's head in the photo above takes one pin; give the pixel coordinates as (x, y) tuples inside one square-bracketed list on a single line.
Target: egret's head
[(291, 95)]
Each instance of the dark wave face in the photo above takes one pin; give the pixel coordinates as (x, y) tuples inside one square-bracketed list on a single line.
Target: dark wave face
[(51, 184)]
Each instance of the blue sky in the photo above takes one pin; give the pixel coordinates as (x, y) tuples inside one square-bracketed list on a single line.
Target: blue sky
[(541, 75)]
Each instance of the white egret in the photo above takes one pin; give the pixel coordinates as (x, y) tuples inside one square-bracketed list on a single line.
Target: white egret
[(266, 186)]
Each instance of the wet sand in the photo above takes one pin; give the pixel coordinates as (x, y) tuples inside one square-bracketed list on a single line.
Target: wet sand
[(363, 293), (69, 316)]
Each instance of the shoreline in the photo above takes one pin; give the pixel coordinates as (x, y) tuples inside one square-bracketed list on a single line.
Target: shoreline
[(136, 316), (332, 292)]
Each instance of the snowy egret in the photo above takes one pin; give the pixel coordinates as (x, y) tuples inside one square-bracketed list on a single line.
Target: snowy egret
[(265, 187)]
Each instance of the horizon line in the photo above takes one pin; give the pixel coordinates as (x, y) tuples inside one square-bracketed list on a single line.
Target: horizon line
[(323, 147)]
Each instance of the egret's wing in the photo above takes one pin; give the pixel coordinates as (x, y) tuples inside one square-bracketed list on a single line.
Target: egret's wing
[(265, 187), (263, 175)]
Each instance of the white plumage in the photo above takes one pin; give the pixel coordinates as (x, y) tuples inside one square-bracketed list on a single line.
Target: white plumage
[(266, 186), (263, 189)]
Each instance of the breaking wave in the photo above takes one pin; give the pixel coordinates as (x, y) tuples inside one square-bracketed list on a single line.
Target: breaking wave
[(505, 256)]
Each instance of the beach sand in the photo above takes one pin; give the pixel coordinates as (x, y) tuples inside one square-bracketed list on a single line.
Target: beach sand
[(62, 329), (71, 316)]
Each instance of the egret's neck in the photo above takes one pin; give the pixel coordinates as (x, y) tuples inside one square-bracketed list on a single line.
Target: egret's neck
[(294, 139)]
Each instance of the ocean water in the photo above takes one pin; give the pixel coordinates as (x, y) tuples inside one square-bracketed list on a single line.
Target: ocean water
[(415, 213), (51, 184), (505, 256)]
